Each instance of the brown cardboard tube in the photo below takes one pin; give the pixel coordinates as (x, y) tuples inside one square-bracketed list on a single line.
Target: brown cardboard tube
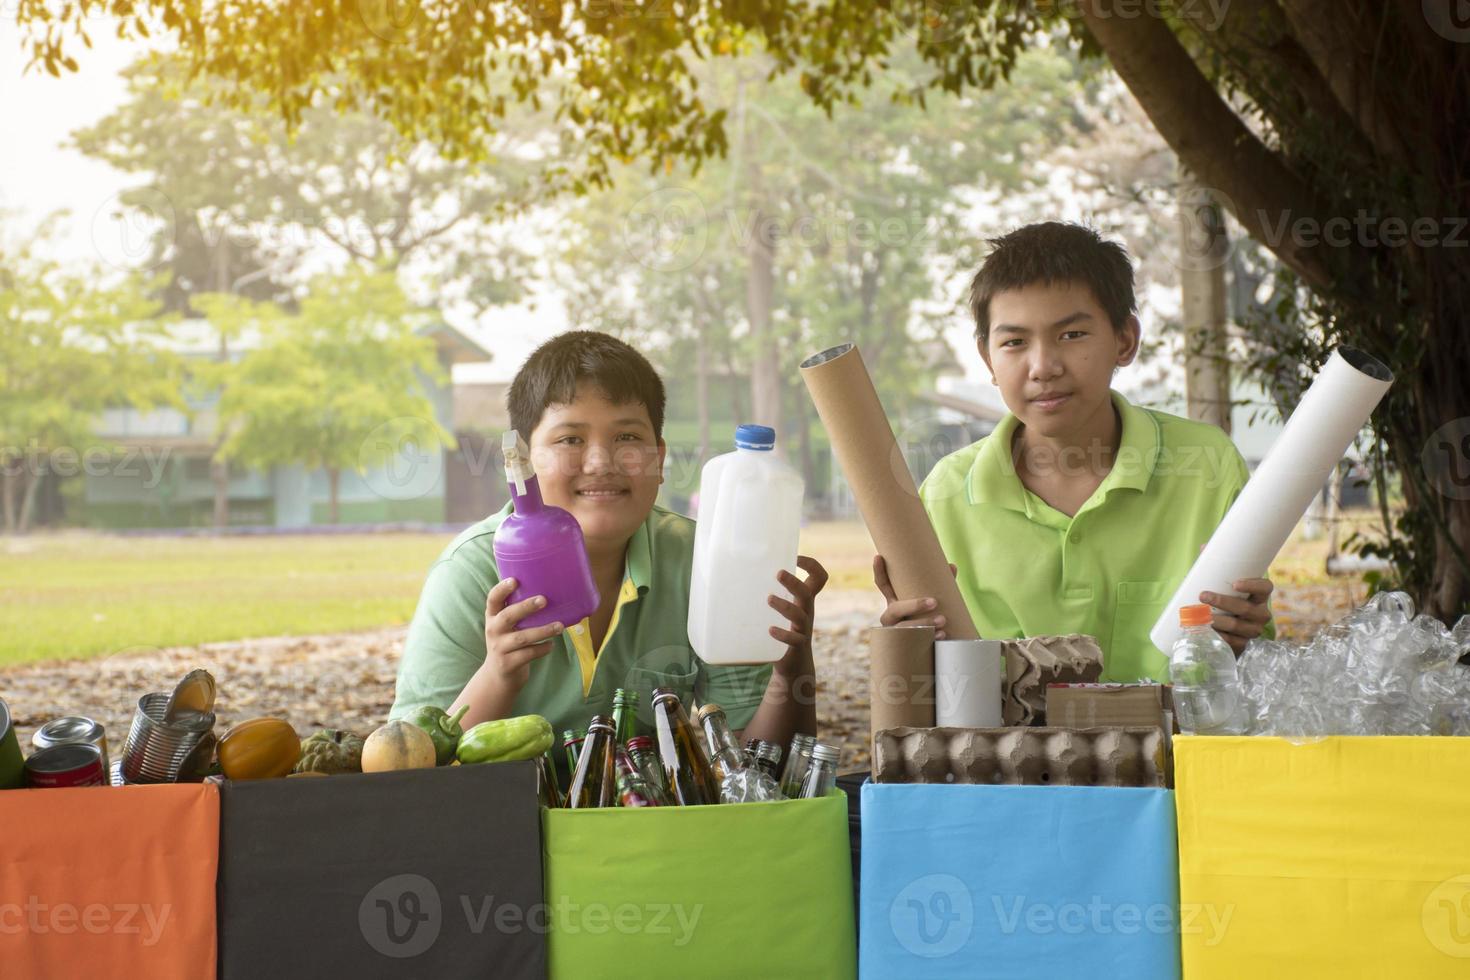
[(882, 484), (901, 677)]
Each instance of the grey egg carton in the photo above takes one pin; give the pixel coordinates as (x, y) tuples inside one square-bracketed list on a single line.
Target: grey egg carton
[(1036, 661), (1029, 756)]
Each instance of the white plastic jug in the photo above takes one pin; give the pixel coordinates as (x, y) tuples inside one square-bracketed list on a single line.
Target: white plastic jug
[(749, 522)]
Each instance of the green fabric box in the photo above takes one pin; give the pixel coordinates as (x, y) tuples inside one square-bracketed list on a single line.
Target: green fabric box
[(749, 890)]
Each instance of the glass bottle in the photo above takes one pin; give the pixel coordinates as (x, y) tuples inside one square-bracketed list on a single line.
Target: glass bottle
[(645, 759), (595, 781), (571, 743), (823, 774), (625, 715), (546, 786), (765, 756), (687, 772), (724, 752), (798, 761), (632, 789)]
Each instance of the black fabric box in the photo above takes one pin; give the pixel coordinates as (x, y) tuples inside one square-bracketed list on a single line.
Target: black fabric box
[(432, 873)]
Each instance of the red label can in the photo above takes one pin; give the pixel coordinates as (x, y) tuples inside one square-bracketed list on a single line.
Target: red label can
[(69, 764)]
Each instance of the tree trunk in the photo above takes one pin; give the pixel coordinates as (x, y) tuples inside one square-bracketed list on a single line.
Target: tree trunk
[(765, 365), (1204, 250), (219, 470), (31, 481), (334, 479), (9, 477), (701, 384)]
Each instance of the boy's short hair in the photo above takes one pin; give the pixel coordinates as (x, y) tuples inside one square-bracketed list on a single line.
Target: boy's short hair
[(551, 374), (1054, 252)]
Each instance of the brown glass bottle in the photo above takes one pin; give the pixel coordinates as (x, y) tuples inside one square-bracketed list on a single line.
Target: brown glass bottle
[(687, 772), (595, 782)]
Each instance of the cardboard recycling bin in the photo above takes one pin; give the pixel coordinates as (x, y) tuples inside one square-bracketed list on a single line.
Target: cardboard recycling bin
[(745, 890), (1341, 857), (1018, 882), (108, 882), (423, 873)]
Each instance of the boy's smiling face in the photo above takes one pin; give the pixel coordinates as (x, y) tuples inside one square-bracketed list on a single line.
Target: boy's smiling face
[(600, 461), (1053, 351)]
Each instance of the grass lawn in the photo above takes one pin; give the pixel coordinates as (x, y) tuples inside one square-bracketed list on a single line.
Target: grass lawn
[(87, 595)]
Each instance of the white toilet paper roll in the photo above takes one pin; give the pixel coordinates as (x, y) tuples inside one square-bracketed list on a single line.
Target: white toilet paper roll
[(1320, 430), (967, 683)]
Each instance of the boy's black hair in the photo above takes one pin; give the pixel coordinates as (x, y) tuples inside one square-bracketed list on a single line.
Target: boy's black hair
[(1054, 252), (551, 374)]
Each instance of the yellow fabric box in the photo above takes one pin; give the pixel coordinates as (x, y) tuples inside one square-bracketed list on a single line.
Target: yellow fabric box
[(1337, 858)]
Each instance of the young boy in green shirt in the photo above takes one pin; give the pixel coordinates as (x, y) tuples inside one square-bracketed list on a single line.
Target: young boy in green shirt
[(591, 409), (1079, 513)]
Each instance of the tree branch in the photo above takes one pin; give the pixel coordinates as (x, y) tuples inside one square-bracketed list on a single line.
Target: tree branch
[(1209, 137)]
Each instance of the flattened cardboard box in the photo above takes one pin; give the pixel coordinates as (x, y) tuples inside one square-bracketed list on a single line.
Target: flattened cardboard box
[(427, 873), (1103, 705)]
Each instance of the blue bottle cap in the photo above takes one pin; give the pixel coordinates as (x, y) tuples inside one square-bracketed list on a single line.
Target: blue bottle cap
[(761, 437)]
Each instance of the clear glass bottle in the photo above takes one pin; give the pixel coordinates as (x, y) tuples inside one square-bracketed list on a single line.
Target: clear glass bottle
[(1207, 692), (645, 758), (798, 761), (687, 771), (724, 752), (765, 756), (822, 776), (594, 784), (632, 788)]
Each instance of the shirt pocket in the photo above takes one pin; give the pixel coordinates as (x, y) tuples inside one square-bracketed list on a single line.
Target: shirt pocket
[(1130, 654), (671, 667)]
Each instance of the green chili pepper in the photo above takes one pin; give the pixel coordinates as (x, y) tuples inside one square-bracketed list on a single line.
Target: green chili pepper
[(444, 730)]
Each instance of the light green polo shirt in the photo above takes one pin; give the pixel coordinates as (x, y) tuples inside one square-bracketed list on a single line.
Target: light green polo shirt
[(647, 644), (1026, 569)]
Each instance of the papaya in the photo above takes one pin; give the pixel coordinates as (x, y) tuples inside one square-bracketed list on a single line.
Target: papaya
[(398, 745), (505, 740), (261, 748), (330, 751)]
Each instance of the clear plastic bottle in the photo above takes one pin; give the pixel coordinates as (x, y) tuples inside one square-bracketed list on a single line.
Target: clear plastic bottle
[(1207, 691), (747, 529)]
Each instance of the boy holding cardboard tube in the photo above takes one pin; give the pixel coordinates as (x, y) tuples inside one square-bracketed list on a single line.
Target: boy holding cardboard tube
[(1080, 512)]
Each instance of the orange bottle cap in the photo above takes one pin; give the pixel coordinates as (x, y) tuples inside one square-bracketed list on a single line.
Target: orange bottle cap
[(1196, 615)]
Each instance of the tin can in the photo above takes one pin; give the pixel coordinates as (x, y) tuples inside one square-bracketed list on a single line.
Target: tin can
[(68, 764), (71, 729)]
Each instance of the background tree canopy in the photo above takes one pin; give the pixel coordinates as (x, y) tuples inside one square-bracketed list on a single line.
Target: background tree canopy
[(1333, 131)]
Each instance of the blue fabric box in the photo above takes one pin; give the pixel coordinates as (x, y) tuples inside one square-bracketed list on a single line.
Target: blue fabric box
[(1015, 882)]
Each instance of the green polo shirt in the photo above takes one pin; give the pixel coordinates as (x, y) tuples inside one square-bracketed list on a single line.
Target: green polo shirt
[(1026, 569), (647, 645)]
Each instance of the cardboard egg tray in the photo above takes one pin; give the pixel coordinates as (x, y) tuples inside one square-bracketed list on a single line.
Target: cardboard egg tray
[(1031, 756), (1034, 662)]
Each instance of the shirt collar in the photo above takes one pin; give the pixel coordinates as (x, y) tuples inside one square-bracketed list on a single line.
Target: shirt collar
[(993, 477), (640, 555)]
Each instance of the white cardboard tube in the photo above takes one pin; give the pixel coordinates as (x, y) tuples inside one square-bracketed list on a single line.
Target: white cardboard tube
[(967, 683), (1325, 423)]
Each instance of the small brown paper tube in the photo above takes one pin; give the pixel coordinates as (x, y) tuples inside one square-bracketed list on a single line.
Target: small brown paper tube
[(901, 677), (882, 484)]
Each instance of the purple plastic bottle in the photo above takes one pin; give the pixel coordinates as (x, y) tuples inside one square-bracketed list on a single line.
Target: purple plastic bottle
[(541, 547)]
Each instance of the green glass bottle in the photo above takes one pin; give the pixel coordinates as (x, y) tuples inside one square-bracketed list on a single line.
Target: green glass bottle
[(625, 715), (571, 742)]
